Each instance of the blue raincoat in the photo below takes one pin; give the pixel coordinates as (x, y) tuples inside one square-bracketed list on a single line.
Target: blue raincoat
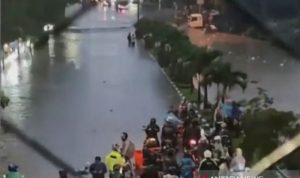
[(227, 110), (173, 119), (187, 166)]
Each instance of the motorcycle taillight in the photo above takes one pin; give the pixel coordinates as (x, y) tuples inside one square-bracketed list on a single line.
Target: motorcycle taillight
[(193, 142)]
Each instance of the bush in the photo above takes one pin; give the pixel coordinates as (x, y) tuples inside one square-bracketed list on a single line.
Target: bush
[(180, 48), (138, 34), (149, 42), (163, 57)]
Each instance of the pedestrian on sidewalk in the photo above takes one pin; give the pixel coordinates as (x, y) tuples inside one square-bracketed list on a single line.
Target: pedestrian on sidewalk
[(129, 39)]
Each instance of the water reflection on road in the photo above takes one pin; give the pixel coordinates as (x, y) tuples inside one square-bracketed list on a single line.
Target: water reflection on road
[(84, 89)]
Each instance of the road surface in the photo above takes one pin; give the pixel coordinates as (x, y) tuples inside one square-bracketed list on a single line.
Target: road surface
[(79, 93)]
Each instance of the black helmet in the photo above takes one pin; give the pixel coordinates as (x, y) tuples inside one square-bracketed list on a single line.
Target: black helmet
[(12, 168), (153, 120), (125, 135)]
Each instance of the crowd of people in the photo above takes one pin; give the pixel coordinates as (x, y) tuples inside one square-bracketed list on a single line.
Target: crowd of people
[(207, 147), (189, 145)]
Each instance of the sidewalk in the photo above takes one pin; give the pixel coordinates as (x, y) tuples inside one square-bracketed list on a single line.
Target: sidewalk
[(198, 37)]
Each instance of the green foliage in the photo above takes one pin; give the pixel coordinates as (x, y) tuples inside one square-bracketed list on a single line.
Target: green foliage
[(149, 41), (20, 18), (263, 130)]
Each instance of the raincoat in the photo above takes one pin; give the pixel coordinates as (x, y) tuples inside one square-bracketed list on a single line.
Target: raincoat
[(187, 166), (112, 159), (13, 175), (227, 110)]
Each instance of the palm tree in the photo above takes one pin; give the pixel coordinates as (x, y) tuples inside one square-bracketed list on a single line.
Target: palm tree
[(203, 65), (229, 78)]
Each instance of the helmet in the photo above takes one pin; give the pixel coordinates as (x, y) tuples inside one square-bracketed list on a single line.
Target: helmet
[(152, 120), (151, 142), (12, 168), (207, 154), (115, 147), (125, 135), (218, 137), (223, 125)]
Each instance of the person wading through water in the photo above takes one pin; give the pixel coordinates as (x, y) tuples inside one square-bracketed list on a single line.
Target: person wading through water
[(129, 39)]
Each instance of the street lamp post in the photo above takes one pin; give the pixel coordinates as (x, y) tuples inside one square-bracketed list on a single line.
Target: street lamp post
[(138, 9)]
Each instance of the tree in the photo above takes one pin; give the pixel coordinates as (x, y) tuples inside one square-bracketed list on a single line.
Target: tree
[(264, 130), (267, 128), (202, 58), (229, 78)]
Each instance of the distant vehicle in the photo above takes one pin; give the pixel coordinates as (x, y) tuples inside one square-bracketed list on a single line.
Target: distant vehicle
[(122, 5), (195, 21)]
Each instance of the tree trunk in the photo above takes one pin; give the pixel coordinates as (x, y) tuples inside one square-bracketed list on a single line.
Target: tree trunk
[(205, 102), (199, 94)]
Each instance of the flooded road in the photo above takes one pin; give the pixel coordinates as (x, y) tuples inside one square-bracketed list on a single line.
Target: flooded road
[(79, 93), (273, 69)]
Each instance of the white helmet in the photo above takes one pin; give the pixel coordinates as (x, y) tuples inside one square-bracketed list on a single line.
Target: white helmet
[(207, 154), (218, 137)]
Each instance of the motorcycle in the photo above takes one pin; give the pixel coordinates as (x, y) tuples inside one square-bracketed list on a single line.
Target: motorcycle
[(126, 170), (194, 151), (154, 142), (84, 173)]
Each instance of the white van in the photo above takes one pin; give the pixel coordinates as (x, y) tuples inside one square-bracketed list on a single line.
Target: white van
[(195, 21)]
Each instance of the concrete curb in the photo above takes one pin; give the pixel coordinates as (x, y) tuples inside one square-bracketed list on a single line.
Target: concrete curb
[(168, 78)]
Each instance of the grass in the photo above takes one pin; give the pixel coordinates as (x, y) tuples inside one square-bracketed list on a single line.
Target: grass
[(190, 96), (236, 142)]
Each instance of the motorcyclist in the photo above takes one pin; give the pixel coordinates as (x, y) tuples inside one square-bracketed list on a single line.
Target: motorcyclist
[(194, 132), (187, 166), (218, 146), (226, 139), (170, 164), (127, 148), (208, 166), (114, 158), (169, 132), (183, 109), (152, 129), (13, 171), (238, 162)]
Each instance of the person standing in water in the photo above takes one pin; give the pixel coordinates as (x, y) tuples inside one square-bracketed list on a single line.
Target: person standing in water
[(129, 39)]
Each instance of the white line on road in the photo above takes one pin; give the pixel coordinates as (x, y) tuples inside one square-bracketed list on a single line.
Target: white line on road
[(168, 78)]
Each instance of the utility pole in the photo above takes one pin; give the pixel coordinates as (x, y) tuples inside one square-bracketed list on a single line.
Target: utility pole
[(138, 9), (159, 4)]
